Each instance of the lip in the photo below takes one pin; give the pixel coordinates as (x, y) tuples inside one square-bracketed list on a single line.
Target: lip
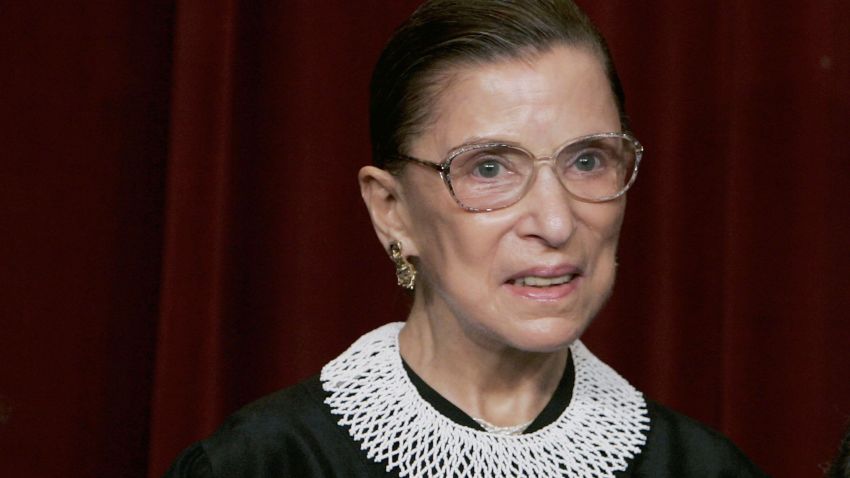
[(550, 293), (547, 271)]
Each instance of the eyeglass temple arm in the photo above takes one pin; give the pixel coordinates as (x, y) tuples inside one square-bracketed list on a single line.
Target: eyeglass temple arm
[(440, 168)]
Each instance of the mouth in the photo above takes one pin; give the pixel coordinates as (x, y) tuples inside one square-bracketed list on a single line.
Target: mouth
[(545, 283), (542, 282)]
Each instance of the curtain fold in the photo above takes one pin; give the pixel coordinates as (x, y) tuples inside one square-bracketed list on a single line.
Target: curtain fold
[(197, 272), (183, 232)]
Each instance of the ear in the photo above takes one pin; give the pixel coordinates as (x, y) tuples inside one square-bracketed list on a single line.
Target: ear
[(383, 194)]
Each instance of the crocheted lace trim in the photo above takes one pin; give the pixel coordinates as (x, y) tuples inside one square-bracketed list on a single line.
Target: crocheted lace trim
[(600, 430)]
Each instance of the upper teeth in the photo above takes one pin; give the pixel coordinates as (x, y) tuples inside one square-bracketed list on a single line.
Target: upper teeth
[(543, 281)]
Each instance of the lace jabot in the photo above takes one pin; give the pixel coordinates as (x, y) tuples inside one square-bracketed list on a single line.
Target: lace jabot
[(603, 426)]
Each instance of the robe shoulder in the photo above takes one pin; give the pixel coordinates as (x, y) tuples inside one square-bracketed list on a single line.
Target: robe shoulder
[(287, 433), (677, 445)]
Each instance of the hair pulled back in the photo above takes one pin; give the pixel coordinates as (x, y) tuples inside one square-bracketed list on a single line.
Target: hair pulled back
[(444, 34)]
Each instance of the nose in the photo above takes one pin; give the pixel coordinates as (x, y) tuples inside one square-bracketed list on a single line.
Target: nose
[(547, 210)]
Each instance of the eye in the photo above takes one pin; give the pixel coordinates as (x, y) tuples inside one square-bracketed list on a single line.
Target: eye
[(488, 165), (487, 168), (588, 162)]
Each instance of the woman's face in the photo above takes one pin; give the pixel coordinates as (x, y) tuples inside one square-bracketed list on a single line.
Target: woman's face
[(477, 269)]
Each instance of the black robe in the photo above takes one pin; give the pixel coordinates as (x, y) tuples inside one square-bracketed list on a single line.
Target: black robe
[(292, 433)]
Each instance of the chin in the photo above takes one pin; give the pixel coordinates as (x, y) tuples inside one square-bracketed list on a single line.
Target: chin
[(545, 334)]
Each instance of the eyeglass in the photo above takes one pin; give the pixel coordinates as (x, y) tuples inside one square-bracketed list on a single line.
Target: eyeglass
[(484, 177)]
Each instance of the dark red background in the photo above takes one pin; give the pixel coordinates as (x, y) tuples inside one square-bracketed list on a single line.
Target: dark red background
[(182, 231)]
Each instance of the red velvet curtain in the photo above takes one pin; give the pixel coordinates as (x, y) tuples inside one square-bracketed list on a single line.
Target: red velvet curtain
[(182, 231)]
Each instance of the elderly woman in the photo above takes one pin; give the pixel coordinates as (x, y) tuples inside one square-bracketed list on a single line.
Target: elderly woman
[(501, 167)]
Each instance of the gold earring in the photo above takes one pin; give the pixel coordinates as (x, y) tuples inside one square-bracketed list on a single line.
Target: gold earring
[(404, 271)]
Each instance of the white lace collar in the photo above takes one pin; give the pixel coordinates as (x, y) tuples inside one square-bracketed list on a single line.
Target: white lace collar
[(603, 426)]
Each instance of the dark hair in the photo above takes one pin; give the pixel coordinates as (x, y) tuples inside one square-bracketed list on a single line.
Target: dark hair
[(442, 34)]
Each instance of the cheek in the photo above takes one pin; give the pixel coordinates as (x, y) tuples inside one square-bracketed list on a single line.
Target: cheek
[(602, 221), (444, 235), (600, 224), (457, 250), (461, 251), (599, 232)]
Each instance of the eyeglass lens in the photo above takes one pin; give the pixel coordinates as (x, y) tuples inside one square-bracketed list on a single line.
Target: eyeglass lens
[(495, 176)]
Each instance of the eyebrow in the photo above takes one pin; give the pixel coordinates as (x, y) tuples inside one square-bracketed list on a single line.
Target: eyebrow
[(479, 140), (484, 140)]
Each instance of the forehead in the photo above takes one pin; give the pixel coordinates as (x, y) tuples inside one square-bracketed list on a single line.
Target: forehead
[(539, 101)]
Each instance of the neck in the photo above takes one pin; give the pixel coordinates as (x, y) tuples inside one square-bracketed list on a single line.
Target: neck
[(483, 377)]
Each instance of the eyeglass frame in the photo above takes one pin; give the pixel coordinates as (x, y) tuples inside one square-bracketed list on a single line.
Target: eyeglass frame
[(444, 166)]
